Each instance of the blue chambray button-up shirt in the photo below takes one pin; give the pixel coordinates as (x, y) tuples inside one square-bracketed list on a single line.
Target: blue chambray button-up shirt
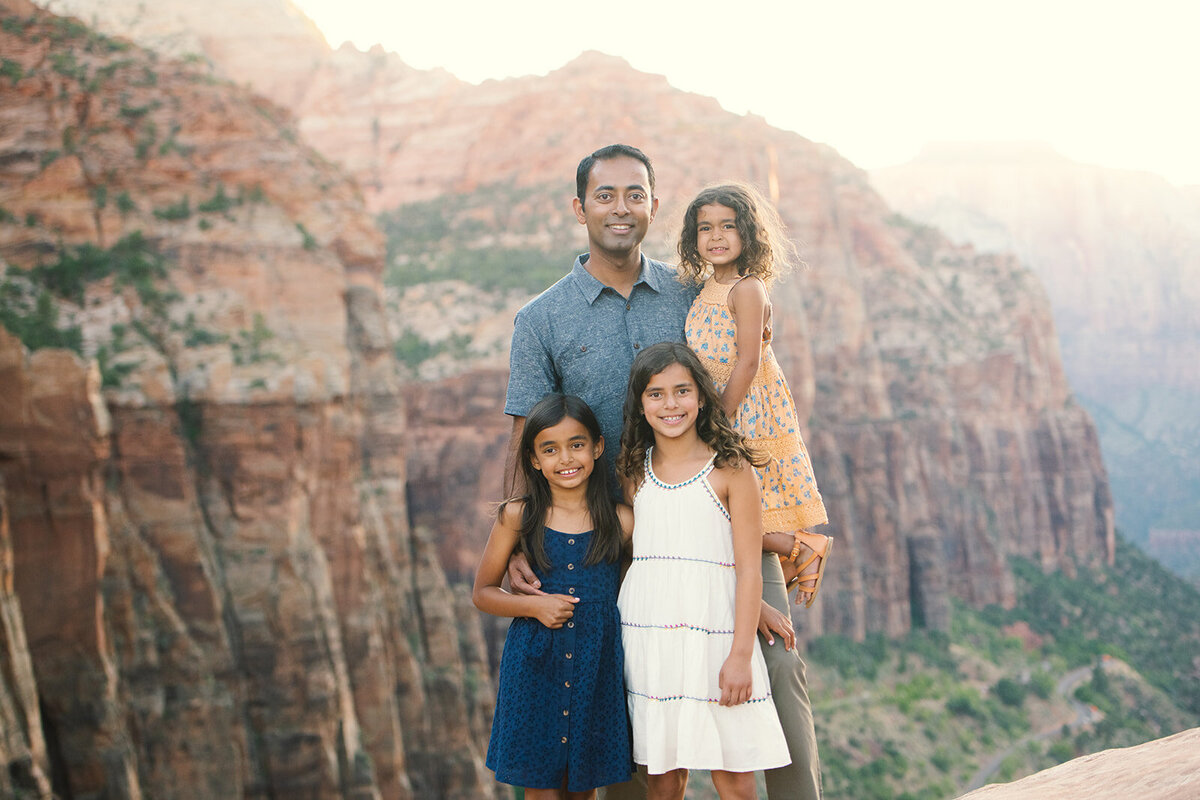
[(580, 337)]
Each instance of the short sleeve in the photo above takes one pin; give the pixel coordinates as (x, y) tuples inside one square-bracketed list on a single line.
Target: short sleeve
[(531, 368)]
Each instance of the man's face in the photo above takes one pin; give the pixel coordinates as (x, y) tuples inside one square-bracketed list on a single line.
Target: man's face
[(618, 207)]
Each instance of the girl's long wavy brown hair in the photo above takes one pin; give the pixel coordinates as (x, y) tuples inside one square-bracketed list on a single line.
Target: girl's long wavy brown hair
[(767, 252), (712, 425), (606, 525)]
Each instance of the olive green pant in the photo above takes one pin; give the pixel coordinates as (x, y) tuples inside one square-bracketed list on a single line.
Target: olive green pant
[(800, 780)]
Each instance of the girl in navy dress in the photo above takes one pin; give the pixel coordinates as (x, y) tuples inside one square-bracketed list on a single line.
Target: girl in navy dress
[(560, 729)]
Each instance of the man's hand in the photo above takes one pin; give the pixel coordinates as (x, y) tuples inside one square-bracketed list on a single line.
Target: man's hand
[(521, 578), (770, 619)]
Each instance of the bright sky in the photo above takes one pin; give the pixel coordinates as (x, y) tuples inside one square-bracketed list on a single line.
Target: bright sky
[(1108, 82)]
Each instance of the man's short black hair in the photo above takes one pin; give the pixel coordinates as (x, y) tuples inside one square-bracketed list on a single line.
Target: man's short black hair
[(603, 154)]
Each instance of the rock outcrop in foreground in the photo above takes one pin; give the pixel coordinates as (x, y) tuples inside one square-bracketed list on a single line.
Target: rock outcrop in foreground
[(1165, 769)]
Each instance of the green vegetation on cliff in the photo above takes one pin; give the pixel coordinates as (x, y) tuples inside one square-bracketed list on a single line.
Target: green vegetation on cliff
[(496, 238), (1103, 659)]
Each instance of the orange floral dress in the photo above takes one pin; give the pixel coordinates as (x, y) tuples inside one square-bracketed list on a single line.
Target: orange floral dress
[(767, 415)]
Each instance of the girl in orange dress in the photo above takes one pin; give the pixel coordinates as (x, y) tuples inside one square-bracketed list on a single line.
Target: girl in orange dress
[(732, 241)]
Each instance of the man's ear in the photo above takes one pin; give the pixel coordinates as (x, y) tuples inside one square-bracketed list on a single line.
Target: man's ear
[(653, 207), (577, 204)]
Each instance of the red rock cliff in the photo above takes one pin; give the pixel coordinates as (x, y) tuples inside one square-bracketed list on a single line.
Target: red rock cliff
[(218, 585), (941, 424)]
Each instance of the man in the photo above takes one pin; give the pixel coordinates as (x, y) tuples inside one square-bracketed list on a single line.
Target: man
[(580, 337)]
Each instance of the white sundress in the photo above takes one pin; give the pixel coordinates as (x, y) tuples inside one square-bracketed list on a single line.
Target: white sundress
[(677, 616)]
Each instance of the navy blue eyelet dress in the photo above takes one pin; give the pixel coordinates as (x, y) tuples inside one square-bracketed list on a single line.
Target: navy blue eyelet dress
[(560, 706)]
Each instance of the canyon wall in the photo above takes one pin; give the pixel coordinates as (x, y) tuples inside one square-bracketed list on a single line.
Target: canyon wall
[(240, 529), (1119, 254), (940, 421), (219, 592), (944, 433)]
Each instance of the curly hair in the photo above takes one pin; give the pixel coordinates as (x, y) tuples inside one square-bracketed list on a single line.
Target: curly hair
[(767, 252), (712, 425)]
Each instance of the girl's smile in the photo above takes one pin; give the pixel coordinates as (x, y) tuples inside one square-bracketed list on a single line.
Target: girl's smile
[(717, 236), (565, 454), (670, 402)]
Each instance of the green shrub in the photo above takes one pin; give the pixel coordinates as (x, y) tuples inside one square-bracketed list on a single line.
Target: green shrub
[(248, 345), (125, 203), (309, 241), (176, 211), (1042, 684), (1009, 692), (1061, 751), (11, 70), (31, 315), (966, 702), (219, 203)]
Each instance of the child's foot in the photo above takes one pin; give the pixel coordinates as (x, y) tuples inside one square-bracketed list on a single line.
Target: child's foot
[(807, 570)]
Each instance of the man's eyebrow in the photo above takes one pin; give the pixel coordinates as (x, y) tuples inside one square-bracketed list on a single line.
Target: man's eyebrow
[(610, 188)]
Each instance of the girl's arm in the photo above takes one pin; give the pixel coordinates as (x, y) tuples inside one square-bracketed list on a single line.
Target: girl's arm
[(552, 610), (625, 515), (750, 306), (745, 512)]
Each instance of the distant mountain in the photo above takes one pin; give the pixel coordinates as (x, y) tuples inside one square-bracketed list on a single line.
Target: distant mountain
[(1119, 254)]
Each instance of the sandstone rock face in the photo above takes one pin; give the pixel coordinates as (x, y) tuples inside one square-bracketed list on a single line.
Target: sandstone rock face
[(22, 744), (1165, 769), (220, 592), (1119, 255), (352, 106), (940, 421)]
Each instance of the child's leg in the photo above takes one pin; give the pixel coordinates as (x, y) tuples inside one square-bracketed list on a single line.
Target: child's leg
[(808, 567), (734, 785), (667, 786)]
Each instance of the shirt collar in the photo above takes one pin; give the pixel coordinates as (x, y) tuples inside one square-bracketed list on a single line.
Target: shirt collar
[(591, 287)]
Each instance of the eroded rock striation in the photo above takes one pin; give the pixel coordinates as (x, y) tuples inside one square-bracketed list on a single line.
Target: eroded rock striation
[(219, 590)]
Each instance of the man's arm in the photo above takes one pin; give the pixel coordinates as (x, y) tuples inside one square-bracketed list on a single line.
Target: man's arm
[(514, 478), (521, 578), (531, 375)]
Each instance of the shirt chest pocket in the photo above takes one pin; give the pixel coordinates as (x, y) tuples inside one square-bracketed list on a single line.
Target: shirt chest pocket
[(576, 365)]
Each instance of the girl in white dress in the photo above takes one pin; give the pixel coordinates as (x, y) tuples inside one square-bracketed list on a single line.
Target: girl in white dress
[(696, 683)]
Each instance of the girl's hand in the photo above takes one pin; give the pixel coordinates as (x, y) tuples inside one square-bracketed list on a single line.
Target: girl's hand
[(772, 621), (735, 681), (553, 610)]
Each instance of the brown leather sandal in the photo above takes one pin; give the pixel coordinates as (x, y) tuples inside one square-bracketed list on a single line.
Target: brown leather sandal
[(812, 540)]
